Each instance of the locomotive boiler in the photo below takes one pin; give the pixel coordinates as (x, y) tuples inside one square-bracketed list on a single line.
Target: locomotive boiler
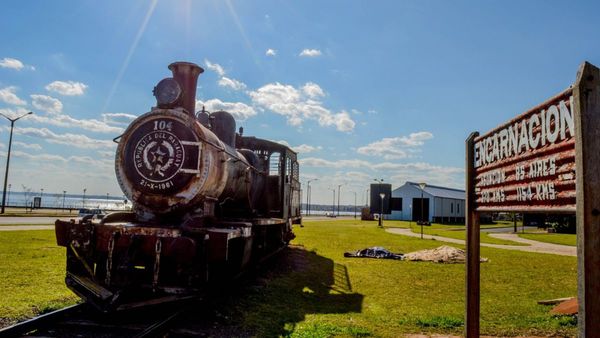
[(208, 202)]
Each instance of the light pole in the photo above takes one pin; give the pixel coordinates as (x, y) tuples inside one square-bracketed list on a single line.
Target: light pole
[(382, 195), (422, 186), (308, 195), (338, 206), (333, 204), (380, 182), (83, 198), (354, 204), (12, 125), (64, 195)]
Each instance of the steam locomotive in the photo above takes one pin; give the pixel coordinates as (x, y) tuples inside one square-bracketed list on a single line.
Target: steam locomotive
[(207, 203)]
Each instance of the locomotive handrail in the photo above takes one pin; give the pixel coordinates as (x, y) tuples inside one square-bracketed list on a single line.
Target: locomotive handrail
[(223, 149)]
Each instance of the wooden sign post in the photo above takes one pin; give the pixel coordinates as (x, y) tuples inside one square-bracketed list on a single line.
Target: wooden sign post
[(544, 160)]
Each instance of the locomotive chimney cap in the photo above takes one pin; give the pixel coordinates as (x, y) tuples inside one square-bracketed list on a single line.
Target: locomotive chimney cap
[(179, 64)]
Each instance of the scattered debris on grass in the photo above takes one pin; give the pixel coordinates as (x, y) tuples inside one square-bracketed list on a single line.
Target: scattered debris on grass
[(374, 252), (568, 307), (442, 254), (553, 301)]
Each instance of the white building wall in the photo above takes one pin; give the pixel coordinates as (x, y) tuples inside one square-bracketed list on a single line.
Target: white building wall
[(438, 206), (407, 192)]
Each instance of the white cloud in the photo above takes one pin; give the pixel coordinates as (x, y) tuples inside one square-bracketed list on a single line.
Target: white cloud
[(398, 172), (74, 140), (67, 121), (47, 104), (312, 90), (106, 153), (57, 158), (310, 52), (299, 104), (32, 146), (11, 63), (215, 67), (8, 95), (70, 88), (118, 118), (271, 52), (239, 110), (231, 83), (61, 120), (303, 148), (396, 147)]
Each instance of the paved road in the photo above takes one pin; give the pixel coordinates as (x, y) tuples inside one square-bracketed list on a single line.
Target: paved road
[(508, 229), (533, 246), (29, 220), (25, 227)]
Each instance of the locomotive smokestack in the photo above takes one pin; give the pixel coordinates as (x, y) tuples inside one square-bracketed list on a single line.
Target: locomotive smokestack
[(186, 74)]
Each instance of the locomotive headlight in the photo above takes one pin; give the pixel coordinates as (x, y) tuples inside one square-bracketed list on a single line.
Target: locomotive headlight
[(167, 92)]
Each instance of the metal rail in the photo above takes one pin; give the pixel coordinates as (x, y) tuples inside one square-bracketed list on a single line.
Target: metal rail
[(32, 324), (83, 320)]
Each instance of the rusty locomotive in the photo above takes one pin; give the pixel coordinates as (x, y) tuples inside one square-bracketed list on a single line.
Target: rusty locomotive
[(207, 203)]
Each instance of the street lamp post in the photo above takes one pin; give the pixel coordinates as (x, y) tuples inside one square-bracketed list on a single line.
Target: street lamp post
[(354, 204), (422, 186), (12, 125), (382, 195), (64, 195), (308, 191), (333, 203), (338, 206)]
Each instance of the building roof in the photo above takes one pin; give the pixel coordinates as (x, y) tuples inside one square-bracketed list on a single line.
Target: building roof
[(438, 191)]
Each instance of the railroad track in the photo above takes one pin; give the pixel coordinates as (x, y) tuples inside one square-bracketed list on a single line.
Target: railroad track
[(84, 321), (191, 317)]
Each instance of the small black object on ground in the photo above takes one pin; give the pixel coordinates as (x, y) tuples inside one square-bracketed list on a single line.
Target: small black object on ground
[(374, 252)]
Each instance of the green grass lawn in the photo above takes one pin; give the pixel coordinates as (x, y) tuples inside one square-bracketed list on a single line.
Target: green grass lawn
[(32, 267), (404, 297), (314, 291), (563, 239), (450, 231)]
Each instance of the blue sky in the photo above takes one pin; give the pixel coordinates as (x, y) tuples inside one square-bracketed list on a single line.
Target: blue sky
[(363, 90)]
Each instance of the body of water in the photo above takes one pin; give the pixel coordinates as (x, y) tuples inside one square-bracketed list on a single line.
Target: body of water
[(50, 200)]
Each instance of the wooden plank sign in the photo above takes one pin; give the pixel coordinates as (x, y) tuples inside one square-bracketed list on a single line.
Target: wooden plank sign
[(528, 163), (544, 160)]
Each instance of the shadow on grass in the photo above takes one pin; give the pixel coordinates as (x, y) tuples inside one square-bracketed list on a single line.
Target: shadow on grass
[(272, 301)]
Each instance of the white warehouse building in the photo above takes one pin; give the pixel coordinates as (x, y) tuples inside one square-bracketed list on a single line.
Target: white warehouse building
[(440, 204)]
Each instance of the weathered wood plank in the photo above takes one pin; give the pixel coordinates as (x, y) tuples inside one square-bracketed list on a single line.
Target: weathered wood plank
[(587, 132), (472, 289)]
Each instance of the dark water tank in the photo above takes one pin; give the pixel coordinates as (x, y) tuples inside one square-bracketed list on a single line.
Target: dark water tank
[(223, 125)]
